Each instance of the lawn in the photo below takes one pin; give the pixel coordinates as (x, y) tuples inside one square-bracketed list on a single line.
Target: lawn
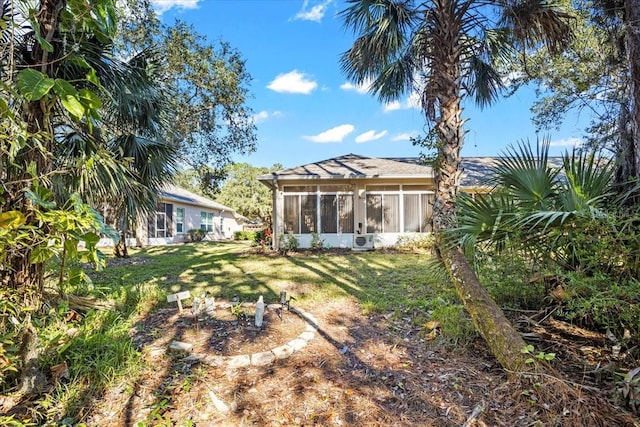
[(390, 345)]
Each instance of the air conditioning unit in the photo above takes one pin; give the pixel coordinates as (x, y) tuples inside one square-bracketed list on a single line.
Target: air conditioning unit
[(363, 241)]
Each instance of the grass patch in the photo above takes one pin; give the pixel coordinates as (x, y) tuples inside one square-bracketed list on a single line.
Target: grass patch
[(102, 353)]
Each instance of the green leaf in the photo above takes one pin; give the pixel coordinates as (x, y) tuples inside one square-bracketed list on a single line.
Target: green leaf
[(527, 349), (4, 108), (90, 99), (11, 219), (93, 77), (33, 84), (41, 198), (69, 97), (41, 254), (91, 239), (44, 43)]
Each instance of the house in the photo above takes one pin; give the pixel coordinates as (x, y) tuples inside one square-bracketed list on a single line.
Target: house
[(354, 201), (179, 211)]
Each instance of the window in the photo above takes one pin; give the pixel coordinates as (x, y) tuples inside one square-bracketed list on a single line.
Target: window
[(345, 213), (292, 214), (160, 223), (328, 213), (417, 212), (336, 213), (206, 221), (383, 213), (179, 220), (313, 211), (309, 210)]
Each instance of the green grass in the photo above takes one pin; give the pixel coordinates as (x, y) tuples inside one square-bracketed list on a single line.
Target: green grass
[(102, 354), (381, 281)]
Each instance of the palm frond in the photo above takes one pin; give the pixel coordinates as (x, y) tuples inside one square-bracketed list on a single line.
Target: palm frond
[(482, 81), (484, 219), (589, 177), (526, 175), (538, 21), (380, 53)]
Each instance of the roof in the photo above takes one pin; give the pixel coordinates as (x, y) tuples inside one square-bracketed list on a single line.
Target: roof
[(178, 194), (475, 170), (353, 166)]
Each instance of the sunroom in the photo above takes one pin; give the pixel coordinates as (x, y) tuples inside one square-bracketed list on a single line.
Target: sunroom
[(352, 201)]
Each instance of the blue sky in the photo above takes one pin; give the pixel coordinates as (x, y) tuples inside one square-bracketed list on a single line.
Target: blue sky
[(306, 110)]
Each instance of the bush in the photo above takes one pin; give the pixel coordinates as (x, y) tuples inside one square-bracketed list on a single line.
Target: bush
[(317, 243), (288, 242), (196, 235), (415, 241), (245, 235), (598, 303)]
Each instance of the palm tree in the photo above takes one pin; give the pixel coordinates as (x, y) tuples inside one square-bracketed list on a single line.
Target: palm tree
[(546, 209), (447, 50), (131, 154)]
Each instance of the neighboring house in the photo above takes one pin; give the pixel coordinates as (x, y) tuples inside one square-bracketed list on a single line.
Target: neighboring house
[(354, 201), (179, 211)]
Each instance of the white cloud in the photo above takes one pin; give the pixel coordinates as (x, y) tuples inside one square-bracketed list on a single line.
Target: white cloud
[(315, 13), (403, 136), (293, 82), (362, 88), (264, 115), (370, 136), (336, 134), (162, 6), (568, 142), (414, 101), (391, 106)]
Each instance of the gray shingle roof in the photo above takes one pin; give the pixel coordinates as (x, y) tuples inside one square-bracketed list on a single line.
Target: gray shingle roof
[(475, 170), (354, 166), (178, 194)]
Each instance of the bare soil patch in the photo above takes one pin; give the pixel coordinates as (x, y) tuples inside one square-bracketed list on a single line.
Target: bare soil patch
[(230, 332), (358, 371)]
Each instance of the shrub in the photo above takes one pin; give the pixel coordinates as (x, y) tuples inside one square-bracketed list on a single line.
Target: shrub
[(196, 235), (599, 303), (288, 242), (317, 243), (415, 241), (245, 235)]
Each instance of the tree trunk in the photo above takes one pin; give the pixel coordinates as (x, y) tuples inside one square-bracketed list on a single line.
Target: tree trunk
[(17, 272), (449, 124), (503, 340), (120, 249), (632, 38)]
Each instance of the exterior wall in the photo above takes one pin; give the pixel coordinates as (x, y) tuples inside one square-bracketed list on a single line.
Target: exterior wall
[(224, 224), (341, 240)]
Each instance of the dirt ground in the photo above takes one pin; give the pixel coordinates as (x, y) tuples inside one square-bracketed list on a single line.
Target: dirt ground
[(356, 371)]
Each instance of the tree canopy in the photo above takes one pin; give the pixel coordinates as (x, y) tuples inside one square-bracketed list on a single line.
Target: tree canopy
[(242, 191), (207, 82)]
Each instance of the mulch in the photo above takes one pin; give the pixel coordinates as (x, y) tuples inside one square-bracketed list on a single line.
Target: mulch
[(358, 371)]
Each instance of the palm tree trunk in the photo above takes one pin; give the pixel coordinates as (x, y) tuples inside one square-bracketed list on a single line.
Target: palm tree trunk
[(503, 340)]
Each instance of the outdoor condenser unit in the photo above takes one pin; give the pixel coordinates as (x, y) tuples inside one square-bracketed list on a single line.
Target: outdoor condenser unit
[(363, 241)]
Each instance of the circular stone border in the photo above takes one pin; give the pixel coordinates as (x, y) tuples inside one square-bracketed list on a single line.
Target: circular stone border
[(265, 357)]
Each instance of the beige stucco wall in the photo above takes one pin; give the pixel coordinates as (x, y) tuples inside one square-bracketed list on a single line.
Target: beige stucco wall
[(359, 191)]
